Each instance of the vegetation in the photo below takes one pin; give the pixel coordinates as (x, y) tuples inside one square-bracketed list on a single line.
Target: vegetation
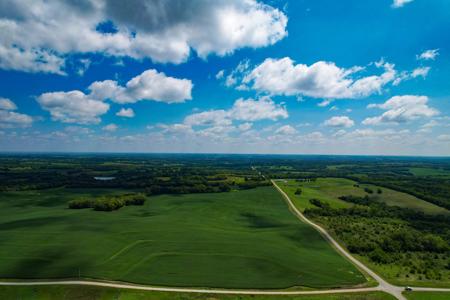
[(391, 212), (241, 239), (97, 293), (416, 244), (108, 203), (427, 295)]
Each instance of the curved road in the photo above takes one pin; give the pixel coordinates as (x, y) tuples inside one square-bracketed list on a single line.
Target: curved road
[(383, 285)]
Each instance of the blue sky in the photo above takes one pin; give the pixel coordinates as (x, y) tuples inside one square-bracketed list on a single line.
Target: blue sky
[(293, 76)]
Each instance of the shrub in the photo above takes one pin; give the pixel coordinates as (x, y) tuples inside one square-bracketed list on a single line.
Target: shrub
[(105, 204), (137, 199), (81, 203), (368, 190)]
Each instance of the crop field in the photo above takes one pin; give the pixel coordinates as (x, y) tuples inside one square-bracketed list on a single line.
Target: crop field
[(430, 172), (98, 293), (330, 189), (239, 239), (427, 295)]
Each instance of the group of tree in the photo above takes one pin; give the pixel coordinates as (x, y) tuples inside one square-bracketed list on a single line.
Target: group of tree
[(108, 203), (389, 234)]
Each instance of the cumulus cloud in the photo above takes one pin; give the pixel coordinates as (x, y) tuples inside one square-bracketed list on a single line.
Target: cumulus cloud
[(339, 121), (150, 85), (11, 119), (245, 126), (242, 110), (31, 38), (400, 3), (6, 104), (78, 107), (286, 130), (73, 107), (401, 109), (126, 113), (211, 117), (110, 127), (422, 71), (254, 110), (319, 80), (176, 128), (428, 54)]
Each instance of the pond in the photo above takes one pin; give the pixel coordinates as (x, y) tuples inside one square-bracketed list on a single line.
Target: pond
[(104, 178)]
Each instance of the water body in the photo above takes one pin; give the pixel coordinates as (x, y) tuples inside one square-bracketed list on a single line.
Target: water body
[(102, 178)]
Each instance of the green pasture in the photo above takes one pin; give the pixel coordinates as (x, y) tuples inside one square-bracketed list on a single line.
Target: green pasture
[(330, 189), (427, 295), (429, 172), (241, 239)]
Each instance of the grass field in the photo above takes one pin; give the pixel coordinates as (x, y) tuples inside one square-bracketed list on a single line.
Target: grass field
[(429, 172), (329, 189), (427, 295), (97, 293), (245, 239)]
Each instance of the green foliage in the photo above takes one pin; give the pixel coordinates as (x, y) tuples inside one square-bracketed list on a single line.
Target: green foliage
[(81, 203), (368, 190), (418, 244), (108, 203), (298, 191)]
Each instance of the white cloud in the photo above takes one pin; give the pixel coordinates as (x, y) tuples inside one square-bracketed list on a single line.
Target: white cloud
[(126, 113), (211, 117), (31, 38), (245, 126), (400, 3), (77, 130), (6, 104), (319, 80), (405, 75), (78, 107), (422, 71), (324, 103), (339, 121), (220, 74), (286, 130), (254, 110), (10, 119), (427, 127), (444, 137), (150, 85), (176, 128), (428, 54), (400, 109), (73, 107), (110, 127), (242, 110)]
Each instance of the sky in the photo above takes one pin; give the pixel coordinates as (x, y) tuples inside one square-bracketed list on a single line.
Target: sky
[(226, 76)]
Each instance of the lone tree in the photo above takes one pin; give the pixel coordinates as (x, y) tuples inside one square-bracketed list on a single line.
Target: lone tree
[(298, 191)]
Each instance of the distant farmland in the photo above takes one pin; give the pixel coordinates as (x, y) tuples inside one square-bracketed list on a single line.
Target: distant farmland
[(240, 239)]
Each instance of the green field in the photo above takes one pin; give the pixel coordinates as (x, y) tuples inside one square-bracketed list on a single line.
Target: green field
[(97, 293), (329, 189), (245, 239), (427, 295), (429, 172)]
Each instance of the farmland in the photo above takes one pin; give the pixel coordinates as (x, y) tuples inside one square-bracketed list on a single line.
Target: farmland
[(240, 239), (215, 221)]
